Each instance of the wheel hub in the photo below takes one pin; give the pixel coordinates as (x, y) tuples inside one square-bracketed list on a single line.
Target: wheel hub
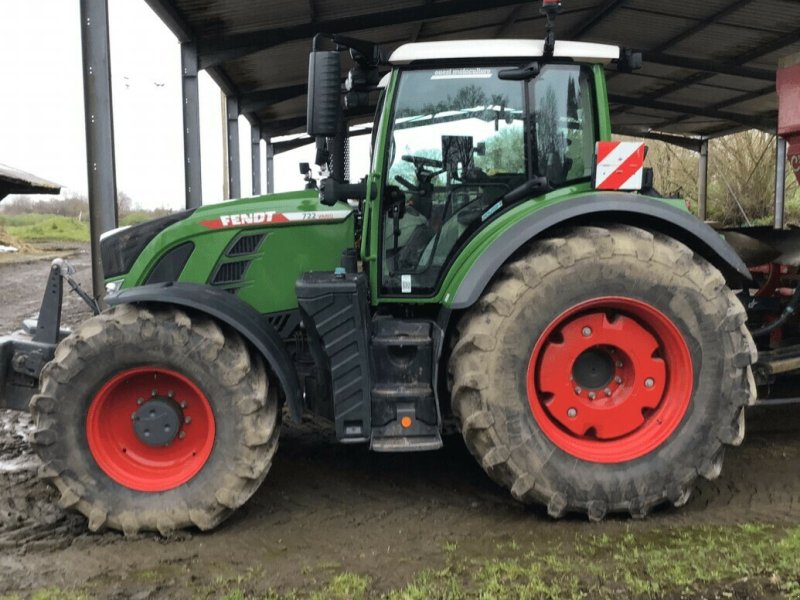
[(593, 369), (142, 437), (610, 379), (157, 421)]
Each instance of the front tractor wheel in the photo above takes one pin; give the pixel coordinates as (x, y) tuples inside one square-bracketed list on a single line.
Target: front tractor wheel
[(602, 372), (154, 420)]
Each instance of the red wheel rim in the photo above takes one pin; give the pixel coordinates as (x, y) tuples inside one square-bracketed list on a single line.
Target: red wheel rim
[(610, 380), (123, 456)]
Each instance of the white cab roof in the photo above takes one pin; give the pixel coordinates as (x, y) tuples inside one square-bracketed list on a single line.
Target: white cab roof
[(578, 51)]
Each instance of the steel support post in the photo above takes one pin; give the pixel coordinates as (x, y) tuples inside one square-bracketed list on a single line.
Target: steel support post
[(702, 183), (270, 167), (780, 182), (99, 119), (255, 157), (191, 126), (234, 172)]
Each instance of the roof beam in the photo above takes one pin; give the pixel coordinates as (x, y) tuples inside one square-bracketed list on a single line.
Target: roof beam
[(216, 50), (285, 145), (277, 127), (605, 10), (511, 19), (167, 12), (255, 101), (709, 66), (690, 143), (702, 24), (726, 103), (756, 122), (762, 50)]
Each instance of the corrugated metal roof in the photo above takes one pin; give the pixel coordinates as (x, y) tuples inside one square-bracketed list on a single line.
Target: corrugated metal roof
[(16, 181), (724, 47)]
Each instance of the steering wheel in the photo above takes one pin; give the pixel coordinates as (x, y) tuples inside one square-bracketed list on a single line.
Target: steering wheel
[(424, 176), (420, 162), (426, 170)]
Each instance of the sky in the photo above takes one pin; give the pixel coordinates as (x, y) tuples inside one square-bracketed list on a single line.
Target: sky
[(41, 106)]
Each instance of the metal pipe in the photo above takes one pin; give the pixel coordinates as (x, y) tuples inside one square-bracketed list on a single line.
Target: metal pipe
[(255, 157), (702, 183), (191, 126), (780, 182), (99, 118), (234, 172), (270, 167)]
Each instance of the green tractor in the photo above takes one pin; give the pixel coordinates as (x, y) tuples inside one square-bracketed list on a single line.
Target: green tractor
[(504, 266)]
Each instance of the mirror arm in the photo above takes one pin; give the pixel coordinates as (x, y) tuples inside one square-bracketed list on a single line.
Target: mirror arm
[(332, 191)]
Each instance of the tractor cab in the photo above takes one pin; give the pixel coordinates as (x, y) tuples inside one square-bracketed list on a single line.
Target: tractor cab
[(459, 139), (464, 131)]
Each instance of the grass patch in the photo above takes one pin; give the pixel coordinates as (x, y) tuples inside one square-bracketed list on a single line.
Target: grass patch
[(36, 227), (638, 563)]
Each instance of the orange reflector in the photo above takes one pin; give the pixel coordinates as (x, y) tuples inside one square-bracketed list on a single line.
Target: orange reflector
[(405, 422)]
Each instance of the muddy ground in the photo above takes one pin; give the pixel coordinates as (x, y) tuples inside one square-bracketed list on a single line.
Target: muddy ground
[(326, 508)]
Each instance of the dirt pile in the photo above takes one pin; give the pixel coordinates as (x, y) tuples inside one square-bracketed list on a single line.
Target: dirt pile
[(6, 239)]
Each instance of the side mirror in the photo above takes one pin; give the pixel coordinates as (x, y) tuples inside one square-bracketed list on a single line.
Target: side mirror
[(324, 93)]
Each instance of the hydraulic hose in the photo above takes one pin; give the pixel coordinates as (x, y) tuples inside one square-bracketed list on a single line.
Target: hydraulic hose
[(791, 308)]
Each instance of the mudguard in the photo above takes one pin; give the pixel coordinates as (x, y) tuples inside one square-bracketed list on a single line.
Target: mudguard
[(596, 208), (235, 313)]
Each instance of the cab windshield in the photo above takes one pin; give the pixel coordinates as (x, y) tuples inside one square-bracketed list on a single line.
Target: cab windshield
[(458, 144)]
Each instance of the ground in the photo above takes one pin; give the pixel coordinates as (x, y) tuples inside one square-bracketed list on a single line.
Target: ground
[(335, 521)]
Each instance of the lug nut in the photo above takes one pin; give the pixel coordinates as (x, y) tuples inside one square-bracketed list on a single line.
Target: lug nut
[(187, 420), (617, 379), (592, 396), (140, 401), (619, 364), (183, 404), (182, 434), (170, 394), (578, 390), (154, 393), (649, 382), (586, 331), (607, 391), (133, 416), (572, 413)]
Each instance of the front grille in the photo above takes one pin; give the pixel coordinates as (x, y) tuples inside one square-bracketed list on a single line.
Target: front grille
[(246, 244), (231, 272)]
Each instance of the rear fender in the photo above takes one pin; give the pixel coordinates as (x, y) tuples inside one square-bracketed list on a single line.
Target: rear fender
[(595, 209), (235, 313)]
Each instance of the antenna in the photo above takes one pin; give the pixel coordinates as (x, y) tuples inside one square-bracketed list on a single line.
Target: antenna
[(550, 8)]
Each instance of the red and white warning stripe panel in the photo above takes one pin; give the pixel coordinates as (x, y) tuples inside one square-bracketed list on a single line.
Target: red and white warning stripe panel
[(619, 166), (249, 219)]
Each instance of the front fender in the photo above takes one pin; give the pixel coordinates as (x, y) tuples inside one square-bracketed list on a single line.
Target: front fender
[(235, 313), (594, 208)]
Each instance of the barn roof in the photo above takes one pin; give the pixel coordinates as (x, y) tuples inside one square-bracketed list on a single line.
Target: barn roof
[(709, 66)]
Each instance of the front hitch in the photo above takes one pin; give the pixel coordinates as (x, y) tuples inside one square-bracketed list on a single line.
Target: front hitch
[(24, 354)]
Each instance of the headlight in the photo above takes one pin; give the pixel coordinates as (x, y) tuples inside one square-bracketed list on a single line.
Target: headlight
[(113, 286)]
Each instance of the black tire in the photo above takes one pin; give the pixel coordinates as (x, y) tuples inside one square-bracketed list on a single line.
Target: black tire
[(496, 338), (218, 362)]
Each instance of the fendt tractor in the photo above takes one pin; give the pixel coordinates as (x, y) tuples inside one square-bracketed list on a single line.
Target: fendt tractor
[(504, 267)]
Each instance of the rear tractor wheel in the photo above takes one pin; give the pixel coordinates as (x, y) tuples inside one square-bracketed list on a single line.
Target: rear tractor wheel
[(602, 372), (154, 420)]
